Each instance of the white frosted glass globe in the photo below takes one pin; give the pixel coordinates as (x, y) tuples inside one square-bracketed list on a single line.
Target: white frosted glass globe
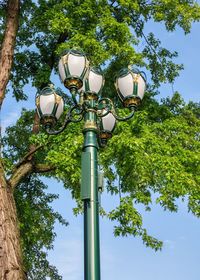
[(95, 81), (108, 122), (61, 70), (141, 87), (125, 85), (47, 103), (76, 65), (60, 109)]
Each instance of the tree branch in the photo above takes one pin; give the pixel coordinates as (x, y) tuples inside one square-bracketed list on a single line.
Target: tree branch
[(43, 168), (25, 169), (28, 156), (22, 171), (61, 39)]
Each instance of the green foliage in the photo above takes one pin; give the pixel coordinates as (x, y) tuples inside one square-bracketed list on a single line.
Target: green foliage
[(157, 152), (13, 149), (37, 219), (130, 222), (107, 31), (164, 153), (160, 62), (175, 13)]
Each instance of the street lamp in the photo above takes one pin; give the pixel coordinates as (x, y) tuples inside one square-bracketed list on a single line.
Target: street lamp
[(85, 84)]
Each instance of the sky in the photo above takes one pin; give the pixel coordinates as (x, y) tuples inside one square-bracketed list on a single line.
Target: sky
[(127, 258)]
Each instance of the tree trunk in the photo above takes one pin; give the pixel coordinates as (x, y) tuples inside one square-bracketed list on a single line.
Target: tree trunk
[(7, 48), (11, 267)]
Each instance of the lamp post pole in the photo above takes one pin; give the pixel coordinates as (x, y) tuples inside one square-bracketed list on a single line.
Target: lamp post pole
[(85, 84), (89, 195)]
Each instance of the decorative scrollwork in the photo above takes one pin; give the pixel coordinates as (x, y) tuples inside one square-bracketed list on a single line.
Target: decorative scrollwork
[(106, 106), (133, 109), (77, 110)]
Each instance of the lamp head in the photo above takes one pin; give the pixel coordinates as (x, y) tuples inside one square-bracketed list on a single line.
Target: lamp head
[(73, 66), (130, 86), (107, 126), (50, 105)]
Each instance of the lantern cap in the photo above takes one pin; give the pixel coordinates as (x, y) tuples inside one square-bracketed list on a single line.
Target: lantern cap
[(105, 134), (130, 69), (96, 69), (72, 51), (46, 90), (131, 101)]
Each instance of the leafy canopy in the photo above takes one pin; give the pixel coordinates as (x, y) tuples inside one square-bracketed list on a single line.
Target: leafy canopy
[(107, 31)]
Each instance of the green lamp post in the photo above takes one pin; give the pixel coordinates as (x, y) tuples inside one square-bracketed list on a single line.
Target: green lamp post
[(85, 84)]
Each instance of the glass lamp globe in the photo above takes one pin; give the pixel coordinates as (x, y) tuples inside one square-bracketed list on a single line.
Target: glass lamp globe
[(50, 106), (130, 85), (107, 126), (72, 67), (94, 81)]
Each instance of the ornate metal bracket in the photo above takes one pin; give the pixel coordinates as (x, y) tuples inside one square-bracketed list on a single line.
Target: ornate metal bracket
[(106, 106), (76, 110)]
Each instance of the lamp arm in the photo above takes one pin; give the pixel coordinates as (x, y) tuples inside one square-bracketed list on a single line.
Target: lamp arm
[(68, 119), (133, 109), (105, 104), (55, 132), (74, 92), (108, 105)]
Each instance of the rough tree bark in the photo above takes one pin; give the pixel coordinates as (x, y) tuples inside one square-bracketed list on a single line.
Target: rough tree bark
[(7, 48), (11, 260), (11, 267)]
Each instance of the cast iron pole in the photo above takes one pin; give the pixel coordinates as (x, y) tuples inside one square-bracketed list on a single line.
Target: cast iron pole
[(89, 193)]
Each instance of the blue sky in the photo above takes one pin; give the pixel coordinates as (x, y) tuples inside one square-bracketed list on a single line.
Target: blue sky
[(127, 258)]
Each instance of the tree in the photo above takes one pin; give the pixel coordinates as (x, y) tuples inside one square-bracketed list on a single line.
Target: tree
[(102, 29)]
